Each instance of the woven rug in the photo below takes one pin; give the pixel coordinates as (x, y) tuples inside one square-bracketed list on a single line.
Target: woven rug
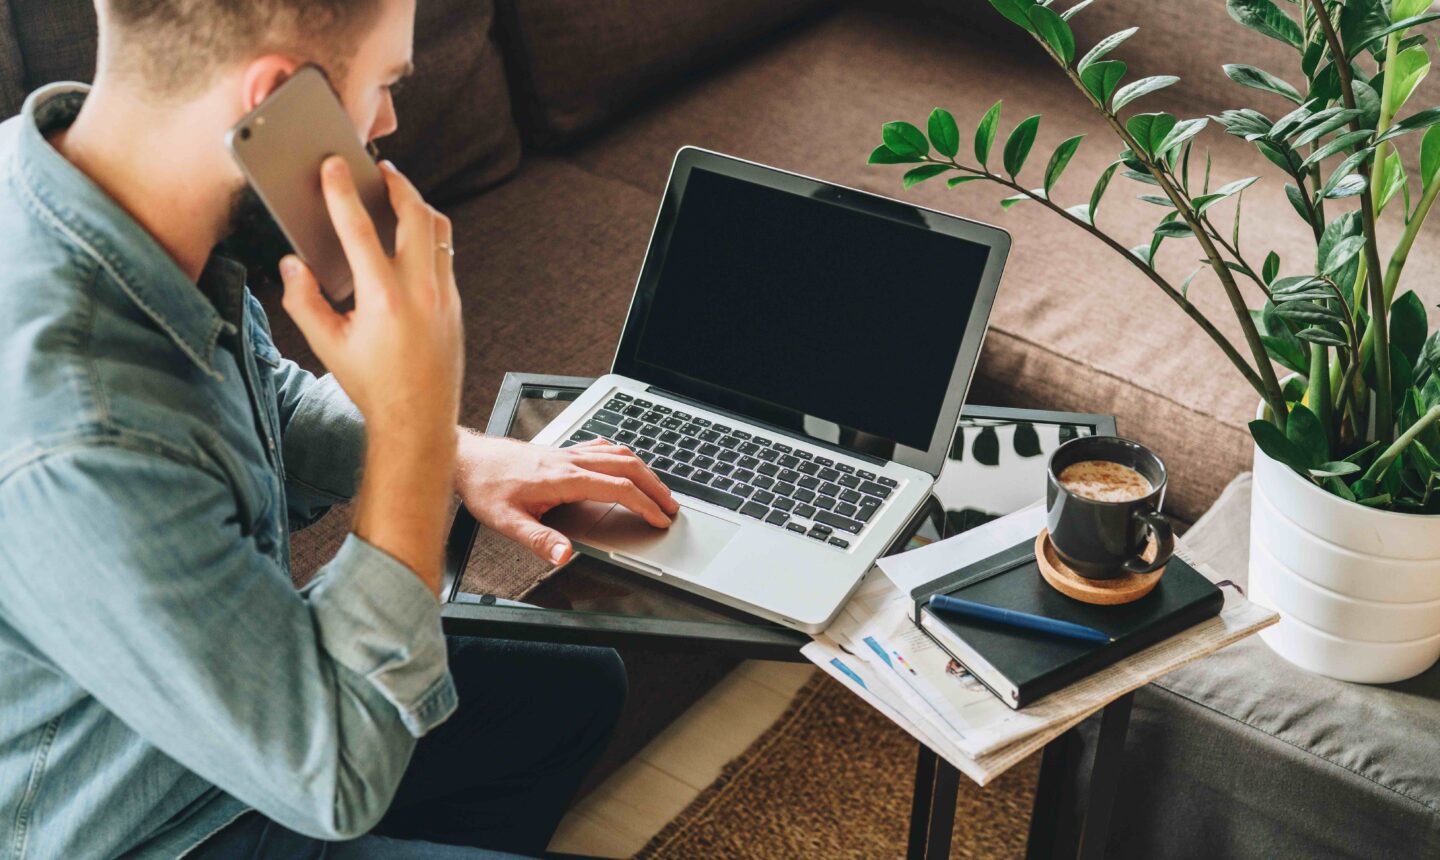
[(833, 778)]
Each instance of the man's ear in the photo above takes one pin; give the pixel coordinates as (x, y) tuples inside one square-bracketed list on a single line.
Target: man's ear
[(263, 76)]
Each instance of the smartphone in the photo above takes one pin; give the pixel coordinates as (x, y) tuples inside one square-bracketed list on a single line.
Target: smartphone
[(280, 146)]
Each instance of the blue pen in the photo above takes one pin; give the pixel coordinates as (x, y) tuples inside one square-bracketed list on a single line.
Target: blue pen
[(1009, 617)]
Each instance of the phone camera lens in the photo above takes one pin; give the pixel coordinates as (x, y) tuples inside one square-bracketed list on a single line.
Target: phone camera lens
[(245, 133)]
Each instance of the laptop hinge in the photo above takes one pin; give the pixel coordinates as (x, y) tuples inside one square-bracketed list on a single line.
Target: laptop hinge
[(810, 440)]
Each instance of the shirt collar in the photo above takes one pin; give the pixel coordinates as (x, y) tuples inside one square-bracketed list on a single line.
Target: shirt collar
[(76, 207)]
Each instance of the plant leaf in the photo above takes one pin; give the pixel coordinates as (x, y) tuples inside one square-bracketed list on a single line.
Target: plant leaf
[(1348, 166), (923, 172), (1259, 79), (1366, 40), (1172, 229), (1297, 201), (1348, 186), (1306, 432), (1205, 201), (1324, 337), (883, 154), (1408, 324), (1059, 159), (1053, 29), (1070, 13), (961, 180), (1150, 129), (1391, 184), (1414, 122), (1404, 74), (1339, 144), (1101, 79), (1270, 268), (1277, 447), (1103, 47), (1021, 198), (1099, 191), (1285, 353), (1402, 9), (944, 134), (1016, 10), (1343, 252), (985, 133), (1265, 17), (1334, 469), (1430, 156), (1293, 120), (1183, 131), (904, 139), (1322, 124), (1017, 146), (1132, 91)]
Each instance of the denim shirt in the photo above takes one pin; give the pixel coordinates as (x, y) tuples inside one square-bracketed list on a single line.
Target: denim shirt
[(159, 674)]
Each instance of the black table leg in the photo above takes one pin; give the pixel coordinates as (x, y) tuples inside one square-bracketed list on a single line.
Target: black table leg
[(924, 790), (1105, 777), (1049, 818)]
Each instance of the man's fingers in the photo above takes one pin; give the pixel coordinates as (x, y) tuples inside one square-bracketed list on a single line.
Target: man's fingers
[(303, 300), (545, 542), (624, 464), (352, 223), (599, 487), (415, 239)]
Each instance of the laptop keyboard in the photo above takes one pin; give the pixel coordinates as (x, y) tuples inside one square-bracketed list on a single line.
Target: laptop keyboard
[(803, 492)]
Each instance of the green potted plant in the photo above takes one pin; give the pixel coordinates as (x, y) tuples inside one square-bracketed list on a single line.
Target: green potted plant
[(1345, 538)]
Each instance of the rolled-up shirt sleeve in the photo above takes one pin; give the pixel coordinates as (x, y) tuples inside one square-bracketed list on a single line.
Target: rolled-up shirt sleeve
[(304, 705), (323, 437)]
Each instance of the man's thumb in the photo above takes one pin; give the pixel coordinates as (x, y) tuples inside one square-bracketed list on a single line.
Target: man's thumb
[(547, 543), (304, 302)]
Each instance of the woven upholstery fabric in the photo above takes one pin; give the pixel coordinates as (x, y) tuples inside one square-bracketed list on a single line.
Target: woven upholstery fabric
[(456, 137), (575, 63)]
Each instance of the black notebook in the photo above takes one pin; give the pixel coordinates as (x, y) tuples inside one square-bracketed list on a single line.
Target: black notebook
[(1021, 666)]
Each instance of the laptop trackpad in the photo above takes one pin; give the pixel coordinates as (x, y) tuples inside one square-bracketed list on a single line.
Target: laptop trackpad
[(690, 543)]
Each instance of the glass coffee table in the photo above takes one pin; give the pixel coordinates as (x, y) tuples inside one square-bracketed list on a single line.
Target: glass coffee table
[(996, 465)]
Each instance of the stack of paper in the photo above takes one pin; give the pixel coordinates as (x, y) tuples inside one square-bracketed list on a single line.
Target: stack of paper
[(878, 653)]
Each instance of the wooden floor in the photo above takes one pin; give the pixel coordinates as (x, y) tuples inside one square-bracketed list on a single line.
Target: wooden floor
[(619, 817)]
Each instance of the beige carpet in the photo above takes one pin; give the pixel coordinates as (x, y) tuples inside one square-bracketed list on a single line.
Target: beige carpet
[(832, 778)]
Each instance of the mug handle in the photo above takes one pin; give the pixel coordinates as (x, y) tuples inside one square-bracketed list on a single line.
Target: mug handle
[(1159, 527)]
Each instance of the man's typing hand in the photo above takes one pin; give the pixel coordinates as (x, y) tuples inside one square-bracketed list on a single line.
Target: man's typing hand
[(508, 485)]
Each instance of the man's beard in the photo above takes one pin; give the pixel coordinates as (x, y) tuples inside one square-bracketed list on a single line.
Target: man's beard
[(253, 238)]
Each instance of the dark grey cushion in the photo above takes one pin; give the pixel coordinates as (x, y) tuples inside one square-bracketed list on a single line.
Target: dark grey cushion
[(1244, 755), (575, 63)]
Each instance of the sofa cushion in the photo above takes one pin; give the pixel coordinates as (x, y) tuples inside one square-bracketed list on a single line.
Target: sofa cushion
[(456, 134), (1075, 326), (576, 62)]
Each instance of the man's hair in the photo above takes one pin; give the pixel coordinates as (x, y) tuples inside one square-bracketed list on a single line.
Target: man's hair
[(176, 46)]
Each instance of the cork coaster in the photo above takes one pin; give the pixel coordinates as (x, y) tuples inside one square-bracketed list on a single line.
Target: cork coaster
[(1102, 592)]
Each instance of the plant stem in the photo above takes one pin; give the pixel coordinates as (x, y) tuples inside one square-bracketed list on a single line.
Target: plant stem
[(1397, 447), (1407, 240), (1317, 394), (1269, 387), (1380, 310), (1190, 310), (1377, 169)]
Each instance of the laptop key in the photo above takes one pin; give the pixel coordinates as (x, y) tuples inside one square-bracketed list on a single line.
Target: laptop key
[(704, 462), (634, 411), (669, 436), (840, 542), (662, 463), (722, 483), (672, 423), (709, 450), (749, 448), (889, 482), (581, 436), (615, 404), (683, 416), (804, 455), (783, 504), (722, 468), (652, 416), (806, 511), (608, 416), (600, 428), (789, 476), (795, 527), (761, 441), (825, 461), (641, 402), (824, 503), (663, 409), (624, 437), (830, 518), (850, 496), (803, 495), (768, 469), (784, 489), (764, 482), (846, 468), (709, 435), (809, 482), (682, 470), (740, 433), (764, 497), (809, 468), (845, 509), (650, 431), (818, 535), (689, 443), (715, 495), (729, 442), (703, 422), (869, 476), (690, 429), (647, 456), (788, 461), (721, 428), (777, 518), (850, 481), (769, 455), (743, 474), (829, 475), (830, 489), (783, 448), (727, 456), (682, 455), (870, 488), (701, 476), (568, 443), (643, 444), (748, 462), (620, 395), (751, 509), (664, 449), (742, 489)]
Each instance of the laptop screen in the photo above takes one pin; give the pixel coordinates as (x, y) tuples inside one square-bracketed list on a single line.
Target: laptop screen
[(807, 313)]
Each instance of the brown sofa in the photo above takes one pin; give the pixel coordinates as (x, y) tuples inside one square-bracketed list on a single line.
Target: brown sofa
[(546, 130)]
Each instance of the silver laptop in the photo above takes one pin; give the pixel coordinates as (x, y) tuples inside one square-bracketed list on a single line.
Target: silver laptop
[(793, 367)]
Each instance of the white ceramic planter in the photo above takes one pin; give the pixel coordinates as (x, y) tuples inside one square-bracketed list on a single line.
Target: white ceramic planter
[(1357, 589)]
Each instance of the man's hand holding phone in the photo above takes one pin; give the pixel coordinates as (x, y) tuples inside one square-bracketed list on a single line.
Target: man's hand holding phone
[(398, 356)]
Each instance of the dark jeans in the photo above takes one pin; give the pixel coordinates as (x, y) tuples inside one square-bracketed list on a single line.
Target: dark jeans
[(494, 778)]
